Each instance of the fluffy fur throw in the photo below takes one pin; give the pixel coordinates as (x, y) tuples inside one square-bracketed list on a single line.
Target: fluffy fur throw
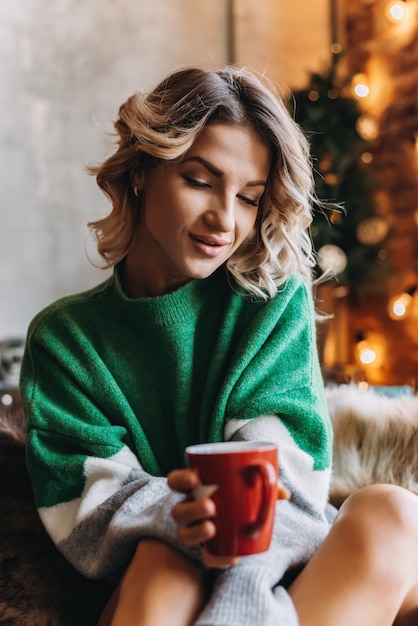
[(375, 440), (38, 586)]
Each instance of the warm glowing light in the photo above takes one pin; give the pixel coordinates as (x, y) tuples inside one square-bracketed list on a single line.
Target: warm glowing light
[(367, 127), (332, 179), (336, 48), (372, 230), (361, 90), (363, 385), (313, 95), (399, 306), (366, 354), (332, 259), (336, 217), (395, 11), (371, 350), (367, 157), (360, 85), (332, 94)]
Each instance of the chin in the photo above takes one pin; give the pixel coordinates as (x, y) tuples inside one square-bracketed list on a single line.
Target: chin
[(205, 274), (197, 272)]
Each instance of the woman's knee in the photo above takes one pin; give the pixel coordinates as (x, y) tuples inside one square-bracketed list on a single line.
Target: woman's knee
[(382, 520), (384, 504)]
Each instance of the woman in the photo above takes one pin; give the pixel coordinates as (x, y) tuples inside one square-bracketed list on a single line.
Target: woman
[(204, 332)]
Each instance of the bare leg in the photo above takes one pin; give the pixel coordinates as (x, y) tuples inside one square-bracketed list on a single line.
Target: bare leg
[(161, 586), (366, 570), (408, 615)]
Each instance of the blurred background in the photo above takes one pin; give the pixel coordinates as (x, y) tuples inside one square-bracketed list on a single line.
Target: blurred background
[(349, 71)]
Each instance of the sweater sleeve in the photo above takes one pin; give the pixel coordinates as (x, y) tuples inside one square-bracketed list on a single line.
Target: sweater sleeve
[(93, 495), (300, 526), (279, 397)]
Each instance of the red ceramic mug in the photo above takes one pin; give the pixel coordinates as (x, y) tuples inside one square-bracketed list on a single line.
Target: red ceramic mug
[(244, 479)]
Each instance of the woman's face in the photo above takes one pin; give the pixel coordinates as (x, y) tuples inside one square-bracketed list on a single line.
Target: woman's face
[(197, 211)]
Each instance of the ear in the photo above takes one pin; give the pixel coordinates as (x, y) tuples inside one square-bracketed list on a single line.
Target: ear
[(137, 180)]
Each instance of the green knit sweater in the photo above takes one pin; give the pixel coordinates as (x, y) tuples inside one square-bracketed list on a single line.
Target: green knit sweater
[(114, 389)]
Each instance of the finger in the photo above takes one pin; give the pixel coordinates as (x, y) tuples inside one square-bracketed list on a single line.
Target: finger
[(193, 511), (196, 534), (183, 480), (283, 493), (213, 561)]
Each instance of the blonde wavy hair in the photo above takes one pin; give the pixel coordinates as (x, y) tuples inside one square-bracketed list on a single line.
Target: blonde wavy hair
[(163, 126)]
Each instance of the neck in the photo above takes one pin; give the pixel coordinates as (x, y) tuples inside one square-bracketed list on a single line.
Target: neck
[(139, 280)]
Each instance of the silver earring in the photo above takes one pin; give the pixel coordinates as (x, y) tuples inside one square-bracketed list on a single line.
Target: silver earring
[(136, 190)]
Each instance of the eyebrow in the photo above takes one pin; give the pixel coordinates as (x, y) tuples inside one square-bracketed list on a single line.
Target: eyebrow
[(218, 173)]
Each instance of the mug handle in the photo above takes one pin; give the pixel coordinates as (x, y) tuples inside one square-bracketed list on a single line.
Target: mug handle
[(268, 476)]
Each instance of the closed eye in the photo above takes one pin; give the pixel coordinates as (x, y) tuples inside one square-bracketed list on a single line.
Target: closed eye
[(197, 184), (249, 201), (200, 184)]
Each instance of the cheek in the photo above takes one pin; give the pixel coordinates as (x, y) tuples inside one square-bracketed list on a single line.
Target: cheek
[(247, 236), (157, 211), (251, 236), (248, 226)]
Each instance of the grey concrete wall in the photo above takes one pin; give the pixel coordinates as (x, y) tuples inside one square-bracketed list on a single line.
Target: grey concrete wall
[(66, 66)]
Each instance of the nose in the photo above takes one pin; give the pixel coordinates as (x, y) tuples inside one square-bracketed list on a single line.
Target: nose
[(221, 216)]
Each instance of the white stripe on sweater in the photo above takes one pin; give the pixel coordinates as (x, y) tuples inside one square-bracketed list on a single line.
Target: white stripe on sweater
[(294, 463), (104, 477)]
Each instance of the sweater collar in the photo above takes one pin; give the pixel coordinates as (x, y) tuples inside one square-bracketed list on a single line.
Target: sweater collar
[(176, 306)]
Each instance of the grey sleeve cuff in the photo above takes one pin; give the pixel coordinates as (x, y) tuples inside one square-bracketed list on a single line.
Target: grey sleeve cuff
[(102, 544), (243, 597)]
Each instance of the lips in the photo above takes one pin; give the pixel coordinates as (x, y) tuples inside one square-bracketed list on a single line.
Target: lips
[(208, 245), (209, 240)]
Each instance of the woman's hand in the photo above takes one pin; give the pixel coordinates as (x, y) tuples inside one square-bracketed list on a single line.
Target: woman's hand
[(283, 493), (195, 517)]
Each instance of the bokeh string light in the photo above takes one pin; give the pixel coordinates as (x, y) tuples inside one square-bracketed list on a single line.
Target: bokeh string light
[(401, 16), (395, 11), (400, 305)]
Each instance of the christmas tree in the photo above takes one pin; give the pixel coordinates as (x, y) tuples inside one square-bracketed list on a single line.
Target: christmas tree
[(348, 240)]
